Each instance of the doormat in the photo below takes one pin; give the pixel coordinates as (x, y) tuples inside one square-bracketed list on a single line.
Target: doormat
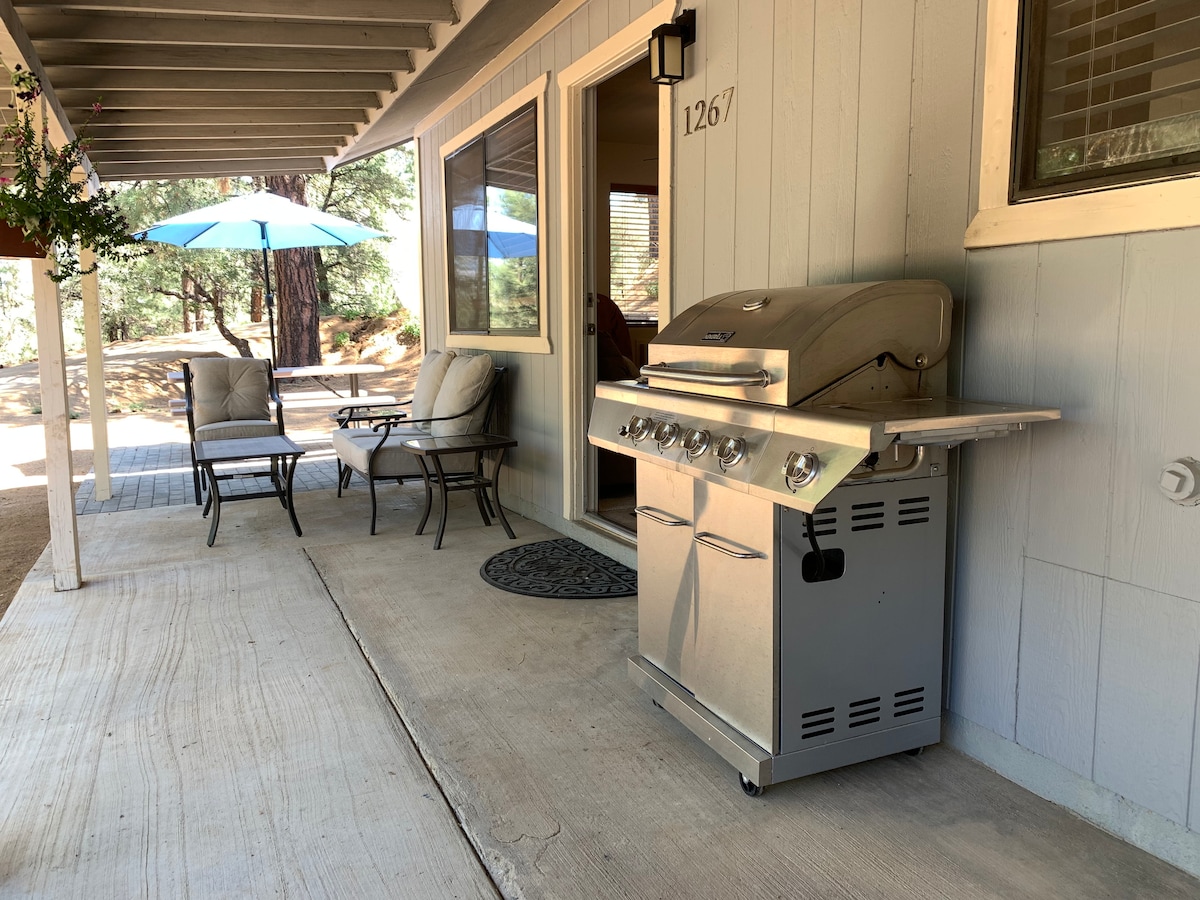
[(562, 568)]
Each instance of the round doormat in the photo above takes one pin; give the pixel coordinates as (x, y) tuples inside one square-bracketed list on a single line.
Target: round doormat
[(560, 568)]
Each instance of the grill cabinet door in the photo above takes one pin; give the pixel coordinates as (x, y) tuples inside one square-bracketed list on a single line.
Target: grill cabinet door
[(666, 571), (735, 610)]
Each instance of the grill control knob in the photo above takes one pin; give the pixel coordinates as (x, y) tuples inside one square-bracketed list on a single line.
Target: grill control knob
[(667, 434), (801, 468), (638, 429), (730, 451), (695, 442)]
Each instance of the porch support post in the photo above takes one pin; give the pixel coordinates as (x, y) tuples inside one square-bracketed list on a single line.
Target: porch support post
[(97, 401), (56, 423)]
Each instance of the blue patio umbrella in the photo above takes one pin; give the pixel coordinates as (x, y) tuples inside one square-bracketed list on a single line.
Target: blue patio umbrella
[(507, 238), (261, 221)]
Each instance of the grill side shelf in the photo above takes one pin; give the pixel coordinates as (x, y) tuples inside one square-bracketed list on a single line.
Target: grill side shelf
[(942, 420)]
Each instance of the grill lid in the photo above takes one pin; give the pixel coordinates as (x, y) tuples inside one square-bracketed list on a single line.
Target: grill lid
[(783, 346)]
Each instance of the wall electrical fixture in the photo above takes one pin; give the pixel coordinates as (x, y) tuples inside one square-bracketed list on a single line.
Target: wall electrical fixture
[(666, 47)]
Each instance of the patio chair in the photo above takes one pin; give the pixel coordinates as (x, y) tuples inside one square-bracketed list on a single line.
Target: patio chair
[(229, 398), (453, 395)]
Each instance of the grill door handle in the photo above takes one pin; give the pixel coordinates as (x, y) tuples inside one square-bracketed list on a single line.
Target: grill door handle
[(757, 378), (660, 516), (708, 539)]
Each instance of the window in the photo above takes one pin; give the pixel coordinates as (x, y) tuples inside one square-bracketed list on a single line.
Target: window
[(492, 211), (633, 251), (1108, 94)]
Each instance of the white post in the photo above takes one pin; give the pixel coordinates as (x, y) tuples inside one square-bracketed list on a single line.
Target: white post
[(56, 422), (94, 347)]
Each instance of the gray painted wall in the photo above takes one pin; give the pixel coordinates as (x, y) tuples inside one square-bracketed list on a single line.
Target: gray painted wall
[(850, 152)]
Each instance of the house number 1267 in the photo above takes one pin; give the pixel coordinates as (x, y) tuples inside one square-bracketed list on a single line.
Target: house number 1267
[(708, 115)]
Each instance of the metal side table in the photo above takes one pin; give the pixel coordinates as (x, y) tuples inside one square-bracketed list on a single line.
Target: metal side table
[(281, 451), (432, 449)]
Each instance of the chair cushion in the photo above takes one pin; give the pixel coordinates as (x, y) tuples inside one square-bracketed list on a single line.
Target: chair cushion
[(354, 446), (467, 380), (238, 428), (429, 382), (225, 389)]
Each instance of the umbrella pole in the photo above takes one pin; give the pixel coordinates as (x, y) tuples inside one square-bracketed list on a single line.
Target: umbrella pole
[(270, 304)]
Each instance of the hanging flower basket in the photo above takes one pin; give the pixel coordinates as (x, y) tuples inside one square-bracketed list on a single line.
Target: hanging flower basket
[(14, 245), (45, 203)]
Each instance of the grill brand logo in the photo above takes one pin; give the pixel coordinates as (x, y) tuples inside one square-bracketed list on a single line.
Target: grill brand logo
[(718, 337)]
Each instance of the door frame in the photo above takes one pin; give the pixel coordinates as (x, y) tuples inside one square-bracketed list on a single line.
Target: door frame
[(606, 59)]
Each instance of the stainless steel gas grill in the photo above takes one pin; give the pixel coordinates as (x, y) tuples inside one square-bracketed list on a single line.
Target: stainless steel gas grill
[(791, 451)]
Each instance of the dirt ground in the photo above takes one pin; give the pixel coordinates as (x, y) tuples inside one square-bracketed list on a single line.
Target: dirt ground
[(136, 394)]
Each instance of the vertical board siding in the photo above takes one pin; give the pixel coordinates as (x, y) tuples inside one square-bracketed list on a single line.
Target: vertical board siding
[(752, 101), (884, 111), (690, 203), (994, 503), (1145, 715), (834, 141), (791, 143), (1154, 541), (942, 162), (1059, 656), (720, 145), (1079, 307)]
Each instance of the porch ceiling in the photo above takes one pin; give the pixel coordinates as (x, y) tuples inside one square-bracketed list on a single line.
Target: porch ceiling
[(207, 88)]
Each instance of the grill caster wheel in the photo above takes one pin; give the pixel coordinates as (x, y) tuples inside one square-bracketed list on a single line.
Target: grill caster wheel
[(749, 788), (914, 751)]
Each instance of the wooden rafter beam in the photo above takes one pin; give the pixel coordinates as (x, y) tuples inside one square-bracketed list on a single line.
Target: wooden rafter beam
[(311, 146), (108, 29), (264, 59), (134, 172), (116, 99), (411, 11), (104, 158), (233, 117), (188, 132), (66, 78)]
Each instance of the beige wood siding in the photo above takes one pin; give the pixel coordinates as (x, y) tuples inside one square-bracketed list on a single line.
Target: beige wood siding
[(851, 151)]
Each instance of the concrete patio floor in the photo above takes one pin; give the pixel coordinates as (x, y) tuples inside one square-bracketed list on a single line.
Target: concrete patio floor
[(340, 715)]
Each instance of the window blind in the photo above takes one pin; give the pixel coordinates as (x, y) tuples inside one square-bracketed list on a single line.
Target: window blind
[(1111, 91)]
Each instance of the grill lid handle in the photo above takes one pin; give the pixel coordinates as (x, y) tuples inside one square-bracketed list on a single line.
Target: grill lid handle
[(757, 378)]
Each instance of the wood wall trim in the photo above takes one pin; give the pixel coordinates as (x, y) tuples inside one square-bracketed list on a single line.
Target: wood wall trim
[(1147, 207)]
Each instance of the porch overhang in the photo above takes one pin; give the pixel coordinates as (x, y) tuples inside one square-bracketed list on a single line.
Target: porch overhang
[(212, 88)]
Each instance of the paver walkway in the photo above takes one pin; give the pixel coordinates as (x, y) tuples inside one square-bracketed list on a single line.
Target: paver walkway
[(161, 475)]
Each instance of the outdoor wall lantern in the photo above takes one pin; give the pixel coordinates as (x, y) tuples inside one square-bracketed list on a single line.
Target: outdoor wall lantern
[(666, 47)]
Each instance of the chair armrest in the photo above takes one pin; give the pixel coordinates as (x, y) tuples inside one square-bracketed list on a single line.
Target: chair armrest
[(346, 414)]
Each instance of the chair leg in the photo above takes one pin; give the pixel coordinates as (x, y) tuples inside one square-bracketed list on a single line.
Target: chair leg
[(339, 471), (195, 475), (371, 485)]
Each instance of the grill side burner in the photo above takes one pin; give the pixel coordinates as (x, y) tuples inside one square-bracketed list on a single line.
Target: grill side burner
[(788, 653)]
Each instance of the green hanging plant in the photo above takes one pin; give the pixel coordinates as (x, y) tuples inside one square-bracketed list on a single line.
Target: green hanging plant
[(43, 200)]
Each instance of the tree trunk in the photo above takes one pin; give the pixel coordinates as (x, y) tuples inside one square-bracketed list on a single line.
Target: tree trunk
[(323, 295), (299, 322), (186, 288), (256, 304), (218, 307)]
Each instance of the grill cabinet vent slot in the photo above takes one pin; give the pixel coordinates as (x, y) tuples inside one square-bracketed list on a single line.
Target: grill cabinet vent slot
[(816, 723), (831, 513), (914, 511), (905, 703), (861, 709)]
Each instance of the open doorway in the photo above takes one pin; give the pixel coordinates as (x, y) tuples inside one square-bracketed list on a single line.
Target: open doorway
[(623, 260)]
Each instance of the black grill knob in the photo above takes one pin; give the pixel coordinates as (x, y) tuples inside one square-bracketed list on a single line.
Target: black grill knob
[(696, 442), (667, 434), (730, 451)]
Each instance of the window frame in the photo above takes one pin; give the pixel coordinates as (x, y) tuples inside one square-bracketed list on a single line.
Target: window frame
[(1151, 206), (535, 93)]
